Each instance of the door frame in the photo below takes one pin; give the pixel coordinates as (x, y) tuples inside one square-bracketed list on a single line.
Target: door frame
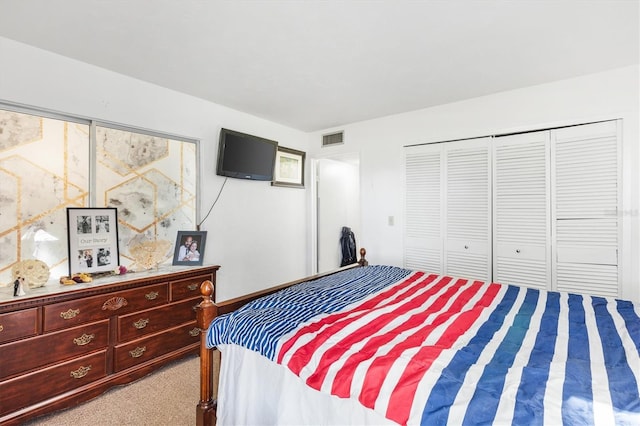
[(348, 157)]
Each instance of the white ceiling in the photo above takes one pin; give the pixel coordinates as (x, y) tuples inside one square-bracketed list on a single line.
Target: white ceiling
[(315, 65)]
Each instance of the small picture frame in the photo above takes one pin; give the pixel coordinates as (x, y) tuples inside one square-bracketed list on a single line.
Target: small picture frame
[(289, 168), (189, 249), (92, 235)]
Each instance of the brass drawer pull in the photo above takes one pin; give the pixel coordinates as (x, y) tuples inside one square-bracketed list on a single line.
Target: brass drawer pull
[(114, 303), (71, 313), (194, 332), (85, 339), (1, 327), (141, 323), (80, 372), (192, 286), (151, 295), (137, 352)]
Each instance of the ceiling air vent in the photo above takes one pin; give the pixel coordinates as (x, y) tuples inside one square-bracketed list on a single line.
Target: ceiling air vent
[(333, 139)]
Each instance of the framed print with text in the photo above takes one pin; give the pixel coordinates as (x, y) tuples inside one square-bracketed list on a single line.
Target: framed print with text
[(92, 235)]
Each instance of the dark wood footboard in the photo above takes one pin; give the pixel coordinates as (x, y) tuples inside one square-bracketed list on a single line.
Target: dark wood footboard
[(206, 312)]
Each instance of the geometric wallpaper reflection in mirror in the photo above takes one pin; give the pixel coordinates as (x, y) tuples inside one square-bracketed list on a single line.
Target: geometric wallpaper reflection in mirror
[(43, 170), (151, 180)]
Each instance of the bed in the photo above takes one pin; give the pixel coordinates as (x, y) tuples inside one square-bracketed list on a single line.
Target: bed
[(388, 345)]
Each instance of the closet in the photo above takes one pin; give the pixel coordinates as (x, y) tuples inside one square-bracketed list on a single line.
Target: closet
[(538, 209)]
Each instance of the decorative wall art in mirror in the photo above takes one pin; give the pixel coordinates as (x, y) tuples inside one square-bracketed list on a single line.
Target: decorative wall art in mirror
[(93, 240), (189, 248), (289, 168), (45, 162), (151, 180)]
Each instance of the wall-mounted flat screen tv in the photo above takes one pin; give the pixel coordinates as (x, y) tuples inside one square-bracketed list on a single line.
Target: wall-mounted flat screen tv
[(245, 156)]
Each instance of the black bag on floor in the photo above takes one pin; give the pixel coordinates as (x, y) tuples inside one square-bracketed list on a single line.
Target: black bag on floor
[(348, 246)]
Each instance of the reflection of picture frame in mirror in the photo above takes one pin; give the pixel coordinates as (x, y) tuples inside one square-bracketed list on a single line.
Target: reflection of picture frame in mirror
[(92, 239), (189, 248)]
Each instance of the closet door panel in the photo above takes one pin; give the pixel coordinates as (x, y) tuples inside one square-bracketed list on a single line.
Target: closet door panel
[(587, 278), (467, 258), (467, 265), (522, 272), (521, 210), (423, 208), (586, 171), (587, 241), (467, 237), (587, 197)]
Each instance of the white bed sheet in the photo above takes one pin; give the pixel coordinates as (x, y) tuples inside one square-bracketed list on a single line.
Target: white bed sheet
[(256, 391)]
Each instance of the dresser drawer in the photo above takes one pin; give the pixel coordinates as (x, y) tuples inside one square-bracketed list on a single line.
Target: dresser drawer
[(65, 314), (139, 324), (17, 325), (28, 354), (188, 288), (38, 386), (145, 349)]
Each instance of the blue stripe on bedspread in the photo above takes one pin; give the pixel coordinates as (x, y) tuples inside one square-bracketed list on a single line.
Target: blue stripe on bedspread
[(577, 384), (529, 403), (259, 324), (631, 320), (482, 410), (618, 369)]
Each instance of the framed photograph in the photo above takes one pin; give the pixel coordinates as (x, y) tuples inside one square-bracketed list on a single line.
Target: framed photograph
[(289, 169), (189, 249), (92, 235)]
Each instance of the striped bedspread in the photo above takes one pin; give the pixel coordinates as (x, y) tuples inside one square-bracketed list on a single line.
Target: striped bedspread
[(428, 349)]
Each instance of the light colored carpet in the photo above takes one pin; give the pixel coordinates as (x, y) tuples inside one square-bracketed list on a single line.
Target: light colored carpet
[(167, 396)]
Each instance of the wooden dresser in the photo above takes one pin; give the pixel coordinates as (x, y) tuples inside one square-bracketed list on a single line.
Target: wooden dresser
[(61, 345)]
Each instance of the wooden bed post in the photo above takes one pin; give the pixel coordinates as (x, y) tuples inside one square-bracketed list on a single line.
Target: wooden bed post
[(363, 261), (206, 312)]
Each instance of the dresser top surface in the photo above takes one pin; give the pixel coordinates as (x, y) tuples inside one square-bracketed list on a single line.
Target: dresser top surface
[(53, 288)]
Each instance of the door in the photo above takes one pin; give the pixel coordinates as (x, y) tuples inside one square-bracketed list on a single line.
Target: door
[(586, 200), (337, 205), (423, 236), (467, 206), (521, 210)]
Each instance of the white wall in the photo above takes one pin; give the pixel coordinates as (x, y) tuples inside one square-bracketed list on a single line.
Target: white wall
[(252, 228), (607, 95)]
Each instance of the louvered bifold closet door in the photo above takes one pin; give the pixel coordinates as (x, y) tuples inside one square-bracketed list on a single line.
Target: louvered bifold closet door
[(423, 208), (521, 227), (467, 220), (585, 206)]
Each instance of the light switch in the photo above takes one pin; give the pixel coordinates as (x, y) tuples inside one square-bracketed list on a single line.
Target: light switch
[(391, 220)]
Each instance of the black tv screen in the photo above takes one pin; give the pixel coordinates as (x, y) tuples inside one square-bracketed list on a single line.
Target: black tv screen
[(245, 156)]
